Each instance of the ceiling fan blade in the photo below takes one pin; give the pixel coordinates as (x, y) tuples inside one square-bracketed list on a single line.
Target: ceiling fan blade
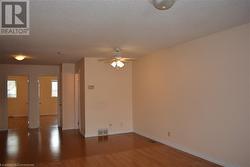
[(127, 59), (123, 59), (107, 59)]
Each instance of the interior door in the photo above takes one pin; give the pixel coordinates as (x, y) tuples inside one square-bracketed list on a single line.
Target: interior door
[(48, 101), (18, 103)]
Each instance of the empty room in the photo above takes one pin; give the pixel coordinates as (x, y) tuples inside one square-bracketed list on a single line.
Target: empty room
[(125, 83)]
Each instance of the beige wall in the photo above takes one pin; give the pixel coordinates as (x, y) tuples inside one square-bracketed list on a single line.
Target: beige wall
[(48, 104), (19, 106), (109, 104), (199, 92)]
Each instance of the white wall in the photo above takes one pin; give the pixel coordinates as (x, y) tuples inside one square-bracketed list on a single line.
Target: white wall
[(68, 96), (33, 72), (199, 92), (110, 102)]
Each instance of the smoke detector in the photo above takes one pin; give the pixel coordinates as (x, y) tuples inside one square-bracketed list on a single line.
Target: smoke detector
[(163, 4)]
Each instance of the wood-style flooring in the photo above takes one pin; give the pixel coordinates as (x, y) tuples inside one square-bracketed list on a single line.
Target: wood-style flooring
[(49, 147), (46, 121)]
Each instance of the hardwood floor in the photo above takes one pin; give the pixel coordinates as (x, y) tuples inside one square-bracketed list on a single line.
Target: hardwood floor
[(47, 147), (18, 122), (46, 121)]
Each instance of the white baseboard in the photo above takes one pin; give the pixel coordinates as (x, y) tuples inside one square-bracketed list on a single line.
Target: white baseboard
[(187, 150), (111, 133), (36, 127), (71, 128)]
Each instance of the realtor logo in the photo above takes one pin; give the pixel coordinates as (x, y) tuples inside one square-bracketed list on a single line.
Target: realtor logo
[(14, 17)]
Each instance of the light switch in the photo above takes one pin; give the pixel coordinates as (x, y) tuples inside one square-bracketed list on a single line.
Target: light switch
[(91, 86)]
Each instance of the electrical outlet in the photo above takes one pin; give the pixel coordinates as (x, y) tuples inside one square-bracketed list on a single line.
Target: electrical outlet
[(169, 134)]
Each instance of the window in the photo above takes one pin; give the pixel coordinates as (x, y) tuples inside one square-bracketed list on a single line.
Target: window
[(54, 88), (12, 89)]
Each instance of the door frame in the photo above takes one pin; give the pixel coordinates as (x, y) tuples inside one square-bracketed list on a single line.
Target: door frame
[(77, 122), (58, 112)]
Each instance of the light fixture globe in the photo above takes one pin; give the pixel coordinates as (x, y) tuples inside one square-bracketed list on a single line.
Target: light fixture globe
[(19, 57), (120, 64), (117, 64), (163, 4), (113, 64)]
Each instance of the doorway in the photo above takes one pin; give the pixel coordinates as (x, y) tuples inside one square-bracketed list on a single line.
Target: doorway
[(48, 101), (17, 94)]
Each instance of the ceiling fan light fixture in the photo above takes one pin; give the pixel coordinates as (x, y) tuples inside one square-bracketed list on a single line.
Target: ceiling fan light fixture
[(113, 64), (120, 64), (163, 4), (117, 61), (117, 64)]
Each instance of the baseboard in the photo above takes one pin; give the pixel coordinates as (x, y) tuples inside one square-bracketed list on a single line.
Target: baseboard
[(53, 114), (112, 133), (187, 150), (17, 116), (3, 130), (33, 127), (72, 128)]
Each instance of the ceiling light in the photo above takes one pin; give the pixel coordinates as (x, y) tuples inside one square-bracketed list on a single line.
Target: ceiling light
[(120, 64), (117, 64), (113, 64), (163, 4), (20, 57), (117, 61)]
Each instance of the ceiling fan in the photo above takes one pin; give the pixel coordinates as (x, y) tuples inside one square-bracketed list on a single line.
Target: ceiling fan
[(117, 61)]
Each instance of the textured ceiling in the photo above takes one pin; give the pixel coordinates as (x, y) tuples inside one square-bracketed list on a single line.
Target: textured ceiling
[(78, 28)]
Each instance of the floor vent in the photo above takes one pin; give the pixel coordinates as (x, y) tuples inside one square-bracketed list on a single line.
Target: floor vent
[(103, 132)]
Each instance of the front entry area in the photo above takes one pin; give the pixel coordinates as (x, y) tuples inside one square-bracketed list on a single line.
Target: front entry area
[(17, 102)]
